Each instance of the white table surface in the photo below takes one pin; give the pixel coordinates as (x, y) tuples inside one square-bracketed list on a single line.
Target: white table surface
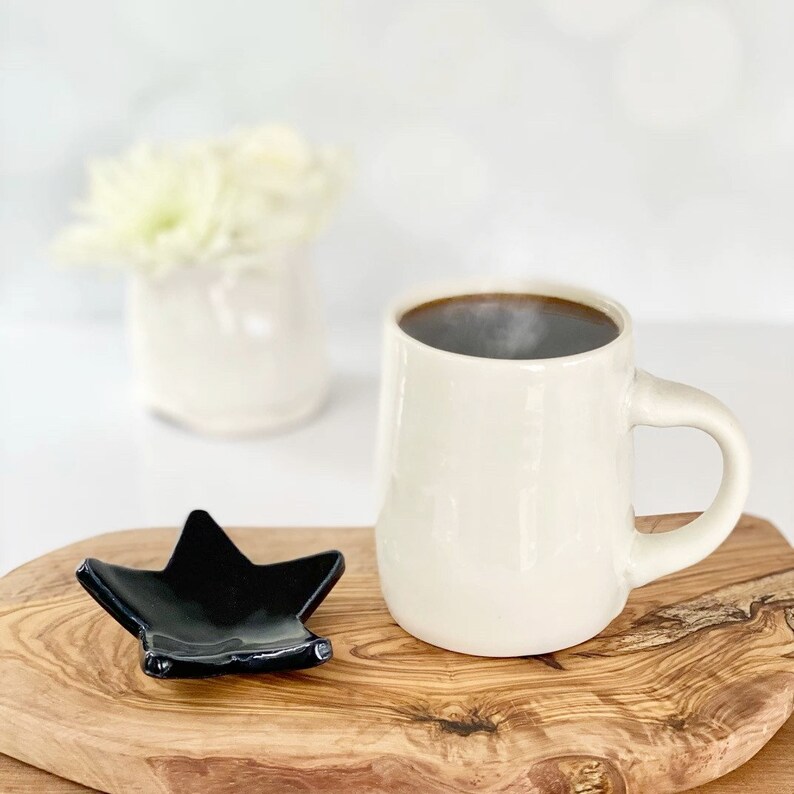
[(78, 456)]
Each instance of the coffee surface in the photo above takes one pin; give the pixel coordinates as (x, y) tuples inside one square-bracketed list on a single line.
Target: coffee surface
[(509, 326)]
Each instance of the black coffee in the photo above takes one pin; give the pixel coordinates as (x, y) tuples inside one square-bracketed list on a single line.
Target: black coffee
[(506, 325)]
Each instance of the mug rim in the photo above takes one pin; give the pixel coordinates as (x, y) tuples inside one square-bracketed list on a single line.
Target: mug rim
[(438, 290)]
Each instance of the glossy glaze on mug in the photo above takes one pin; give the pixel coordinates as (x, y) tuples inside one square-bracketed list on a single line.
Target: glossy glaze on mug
[(505, 520)]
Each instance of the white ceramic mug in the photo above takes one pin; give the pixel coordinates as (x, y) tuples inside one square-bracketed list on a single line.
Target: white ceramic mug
[(505, 521)]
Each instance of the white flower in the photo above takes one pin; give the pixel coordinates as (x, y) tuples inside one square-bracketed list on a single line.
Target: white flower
[(287, 189), (229, 202)]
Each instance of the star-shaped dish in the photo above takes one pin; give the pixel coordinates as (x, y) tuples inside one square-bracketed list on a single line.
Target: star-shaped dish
[(211, 611)]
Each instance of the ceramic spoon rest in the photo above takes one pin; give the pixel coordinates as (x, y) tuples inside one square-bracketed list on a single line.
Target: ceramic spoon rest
[(212, 611)]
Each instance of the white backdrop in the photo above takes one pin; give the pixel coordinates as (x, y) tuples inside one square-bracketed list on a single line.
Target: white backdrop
[(644, 147)]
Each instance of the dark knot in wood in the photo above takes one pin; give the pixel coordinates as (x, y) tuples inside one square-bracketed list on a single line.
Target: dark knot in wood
[(469, 723)]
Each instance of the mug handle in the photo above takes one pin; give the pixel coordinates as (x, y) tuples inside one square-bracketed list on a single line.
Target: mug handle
[(663, 403)]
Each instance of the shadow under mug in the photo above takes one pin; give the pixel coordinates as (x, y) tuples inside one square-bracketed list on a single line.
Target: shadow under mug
[(505, 523)]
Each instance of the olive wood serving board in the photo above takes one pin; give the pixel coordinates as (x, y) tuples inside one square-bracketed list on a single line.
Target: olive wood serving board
[(689, 682)]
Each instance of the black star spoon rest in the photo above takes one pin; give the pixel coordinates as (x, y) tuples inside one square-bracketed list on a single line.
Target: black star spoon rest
[(211, 611)]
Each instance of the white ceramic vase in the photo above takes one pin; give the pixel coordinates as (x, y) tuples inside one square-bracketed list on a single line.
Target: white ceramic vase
[(230, 352)]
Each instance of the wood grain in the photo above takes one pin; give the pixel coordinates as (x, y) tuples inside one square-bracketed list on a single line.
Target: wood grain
[(768, 772), (19, 778), (686, 684)]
